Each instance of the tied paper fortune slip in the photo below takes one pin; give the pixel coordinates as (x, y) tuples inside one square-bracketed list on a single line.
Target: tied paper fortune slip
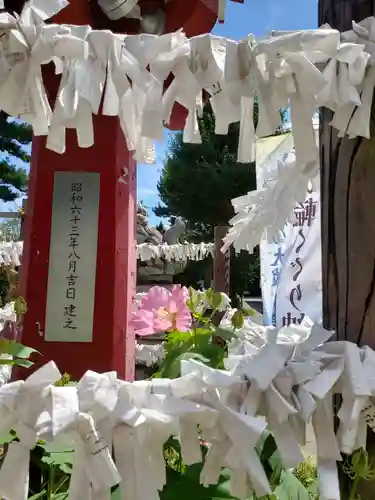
[(275, 380), (302, 70)]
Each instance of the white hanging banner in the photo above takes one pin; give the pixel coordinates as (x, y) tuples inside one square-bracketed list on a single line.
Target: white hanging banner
[(291, 269), (299, 291)]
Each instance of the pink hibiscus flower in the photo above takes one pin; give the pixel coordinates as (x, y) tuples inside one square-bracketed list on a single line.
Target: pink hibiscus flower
[(161, 311)]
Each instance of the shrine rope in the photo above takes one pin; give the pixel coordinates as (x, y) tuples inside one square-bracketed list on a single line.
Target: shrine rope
[(11, 252), (303, 70), (274, 380)]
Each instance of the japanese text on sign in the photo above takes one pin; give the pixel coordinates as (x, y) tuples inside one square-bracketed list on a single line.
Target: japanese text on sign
[(73, 253), (73, 259), (305, 214)]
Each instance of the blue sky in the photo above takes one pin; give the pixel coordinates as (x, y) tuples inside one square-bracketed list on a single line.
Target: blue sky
[(254, 16)]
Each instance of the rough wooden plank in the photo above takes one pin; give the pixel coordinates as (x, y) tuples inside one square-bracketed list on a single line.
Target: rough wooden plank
[(348, 211), (348, 219)]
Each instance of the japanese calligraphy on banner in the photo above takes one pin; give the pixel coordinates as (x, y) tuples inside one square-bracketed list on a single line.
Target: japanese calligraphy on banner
[(291, 266), (73, 253)]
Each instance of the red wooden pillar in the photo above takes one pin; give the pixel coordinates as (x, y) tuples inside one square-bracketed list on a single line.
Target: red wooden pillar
[(112, 346), (108, 342)]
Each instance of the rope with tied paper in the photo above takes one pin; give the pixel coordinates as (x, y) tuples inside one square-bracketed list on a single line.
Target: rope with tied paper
[(275, 380), (179, 252), (129, 73), (303, 70), (11, 252), (350, 77)]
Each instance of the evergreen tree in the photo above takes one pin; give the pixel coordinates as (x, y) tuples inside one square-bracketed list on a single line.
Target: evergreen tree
[(160, 227), (197, 183), (14, 138)]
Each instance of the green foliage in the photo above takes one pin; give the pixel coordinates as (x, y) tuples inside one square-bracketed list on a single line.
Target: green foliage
[(14, 137), (10, 230), (197, 343), (197, 184), (198, 181), (64, 381), (306, 473), (160, 227), (18, 353), (51, 464), (4, 285), (54, 465)]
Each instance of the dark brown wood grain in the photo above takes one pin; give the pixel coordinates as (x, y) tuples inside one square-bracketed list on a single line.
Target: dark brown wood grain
[(348, 220), (221, 262), (348, 210)]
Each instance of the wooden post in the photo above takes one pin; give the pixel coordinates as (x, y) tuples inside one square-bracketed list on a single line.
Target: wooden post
[(348, 215), (221, 282), (221, 262)]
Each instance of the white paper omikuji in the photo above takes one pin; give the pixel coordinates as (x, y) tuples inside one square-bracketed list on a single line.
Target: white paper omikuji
[(228, 408), (304, 69), (269, 208), (23, 407), (176, 252), (11, 252)]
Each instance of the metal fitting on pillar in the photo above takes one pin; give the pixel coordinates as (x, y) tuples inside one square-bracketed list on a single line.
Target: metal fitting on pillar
[(117, 9), (152, 21)]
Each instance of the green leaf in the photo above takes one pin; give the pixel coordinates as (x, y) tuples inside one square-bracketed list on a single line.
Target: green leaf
[(238, 319), (25, 363), (66, 468), (58, 446), (174, 347), (187, 486), (15, 349), (290, 488), (216, 300), (268, 449), (7, 437), (224, 334), (193, 299), (192, 355), (116, 494), (37, 496), (59, 458)]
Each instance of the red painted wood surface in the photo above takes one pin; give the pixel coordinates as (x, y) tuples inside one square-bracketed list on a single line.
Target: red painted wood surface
[(113, 342), (194, 16)]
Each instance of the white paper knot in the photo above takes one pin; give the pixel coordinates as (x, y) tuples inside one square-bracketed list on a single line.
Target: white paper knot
[(268, 209), (93, 468), (24, 408)]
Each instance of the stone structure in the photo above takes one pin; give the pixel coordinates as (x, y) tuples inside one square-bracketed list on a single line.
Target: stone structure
[(157, 270)]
